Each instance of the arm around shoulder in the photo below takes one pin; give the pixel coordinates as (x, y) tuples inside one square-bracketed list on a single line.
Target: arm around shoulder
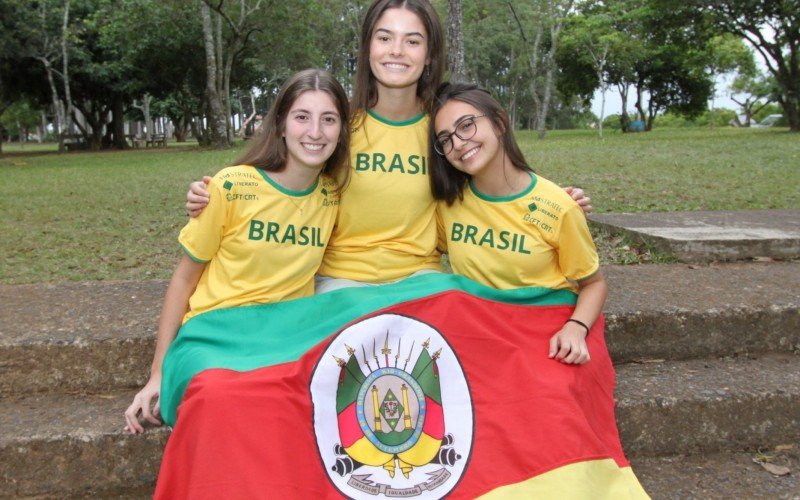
[(197, 198)]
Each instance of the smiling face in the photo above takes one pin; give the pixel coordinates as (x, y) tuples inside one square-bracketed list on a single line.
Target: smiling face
[(311, 130), (480, 154), (398, 49)]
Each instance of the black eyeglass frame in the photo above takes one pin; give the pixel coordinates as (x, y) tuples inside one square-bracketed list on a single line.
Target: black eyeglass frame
[(437, 145)]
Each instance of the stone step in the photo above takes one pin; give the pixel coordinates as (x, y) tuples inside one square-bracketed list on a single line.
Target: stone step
[(708, 404), (57, 444), (100, 335), (711, 236), (74, 445), (677, 311), (723, 475)]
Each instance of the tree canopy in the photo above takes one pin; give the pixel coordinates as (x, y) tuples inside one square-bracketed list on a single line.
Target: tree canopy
[(199, 62)]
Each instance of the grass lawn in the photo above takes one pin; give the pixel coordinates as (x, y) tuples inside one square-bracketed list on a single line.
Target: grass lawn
[(116, 215)]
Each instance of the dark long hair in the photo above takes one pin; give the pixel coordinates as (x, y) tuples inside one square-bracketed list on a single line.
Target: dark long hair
[(365, 93), (268, 149), (447, 182)]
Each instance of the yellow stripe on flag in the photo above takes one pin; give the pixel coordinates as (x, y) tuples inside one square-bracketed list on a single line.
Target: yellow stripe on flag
[(422, 452), (593, 479), (367, 453)]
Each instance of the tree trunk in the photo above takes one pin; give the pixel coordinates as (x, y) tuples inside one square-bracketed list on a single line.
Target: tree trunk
[(96, 116), (226, 95), (556, 11), (652, 109), (602, 107), (243, 130), (199, 130), (791, 106), (65, 74), (58, 106), (216, 109), (556, 18), (148, 118), (43, 125), (455, 37), (181, 128), (641, 115), (624, 118), (534, 65), (118, 124), (599, 67)]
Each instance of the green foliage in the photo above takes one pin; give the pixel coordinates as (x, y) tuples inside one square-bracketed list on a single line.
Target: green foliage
[(612, 122), (709, 118), (19, 118), (772, 27), (592, 47), (728, 53), (121, 50), (576, 115)]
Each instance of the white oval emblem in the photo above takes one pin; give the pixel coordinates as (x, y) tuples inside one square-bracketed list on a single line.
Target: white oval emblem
[(392, 410)]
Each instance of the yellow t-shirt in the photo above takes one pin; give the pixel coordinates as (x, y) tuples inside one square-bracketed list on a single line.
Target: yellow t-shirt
[(536, 238), (387, 225), (262, 242)]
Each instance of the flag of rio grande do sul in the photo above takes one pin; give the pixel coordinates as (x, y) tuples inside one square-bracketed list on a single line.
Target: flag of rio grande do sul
[(430, 387)]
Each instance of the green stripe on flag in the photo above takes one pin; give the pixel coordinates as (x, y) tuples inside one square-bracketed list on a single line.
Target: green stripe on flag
[(250, 337)]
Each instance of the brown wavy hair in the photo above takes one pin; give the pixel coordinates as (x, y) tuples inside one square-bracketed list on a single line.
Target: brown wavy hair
[(268, 151), (365, 92), (447, 182)]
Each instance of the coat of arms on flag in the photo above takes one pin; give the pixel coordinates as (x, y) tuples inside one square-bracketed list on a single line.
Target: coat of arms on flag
[(393, 414)]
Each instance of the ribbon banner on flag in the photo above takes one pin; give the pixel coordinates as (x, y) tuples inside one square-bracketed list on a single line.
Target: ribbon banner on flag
[(430, 387)]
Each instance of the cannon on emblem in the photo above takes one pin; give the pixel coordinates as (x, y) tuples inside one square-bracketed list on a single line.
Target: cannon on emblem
[(345, 465), (446, 456)]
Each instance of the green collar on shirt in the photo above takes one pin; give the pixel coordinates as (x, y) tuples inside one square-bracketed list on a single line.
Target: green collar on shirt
[(402, 123), (286, 191), (512, 197)]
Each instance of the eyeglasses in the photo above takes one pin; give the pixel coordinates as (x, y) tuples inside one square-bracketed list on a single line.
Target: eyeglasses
[(465, 130)]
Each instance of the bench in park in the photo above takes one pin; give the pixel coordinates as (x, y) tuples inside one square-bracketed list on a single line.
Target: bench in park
[(75, 142), (156, 140)]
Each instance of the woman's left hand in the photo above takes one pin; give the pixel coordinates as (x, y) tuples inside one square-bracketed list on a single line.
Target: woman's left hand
[(568, 345), (580, 198)]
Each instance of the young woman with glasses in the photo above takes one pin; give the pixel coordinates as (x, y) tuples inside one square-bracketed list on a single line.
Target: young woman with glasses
[(504, 225)]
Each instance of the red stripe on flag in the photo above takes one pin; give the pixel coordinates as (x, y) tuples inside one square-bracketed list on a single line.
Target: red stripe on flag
[(349, 430), (434, 419)]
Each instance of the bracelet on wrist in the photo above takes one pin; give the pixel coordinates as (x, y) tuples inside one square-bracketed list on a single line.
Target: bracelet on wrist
[(584, 325)]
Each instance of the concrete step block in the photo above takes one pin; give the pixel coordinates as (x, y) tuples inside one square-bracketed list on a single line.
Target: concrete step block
[(723, 475), (707, 405), (77, 336), (56, 444), (704, 236), (677, 311), (74, 446), (101, 335)]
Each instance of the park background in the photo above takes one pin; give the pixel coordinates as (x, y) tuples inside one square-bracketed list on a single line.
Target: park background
[(95, 78)]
